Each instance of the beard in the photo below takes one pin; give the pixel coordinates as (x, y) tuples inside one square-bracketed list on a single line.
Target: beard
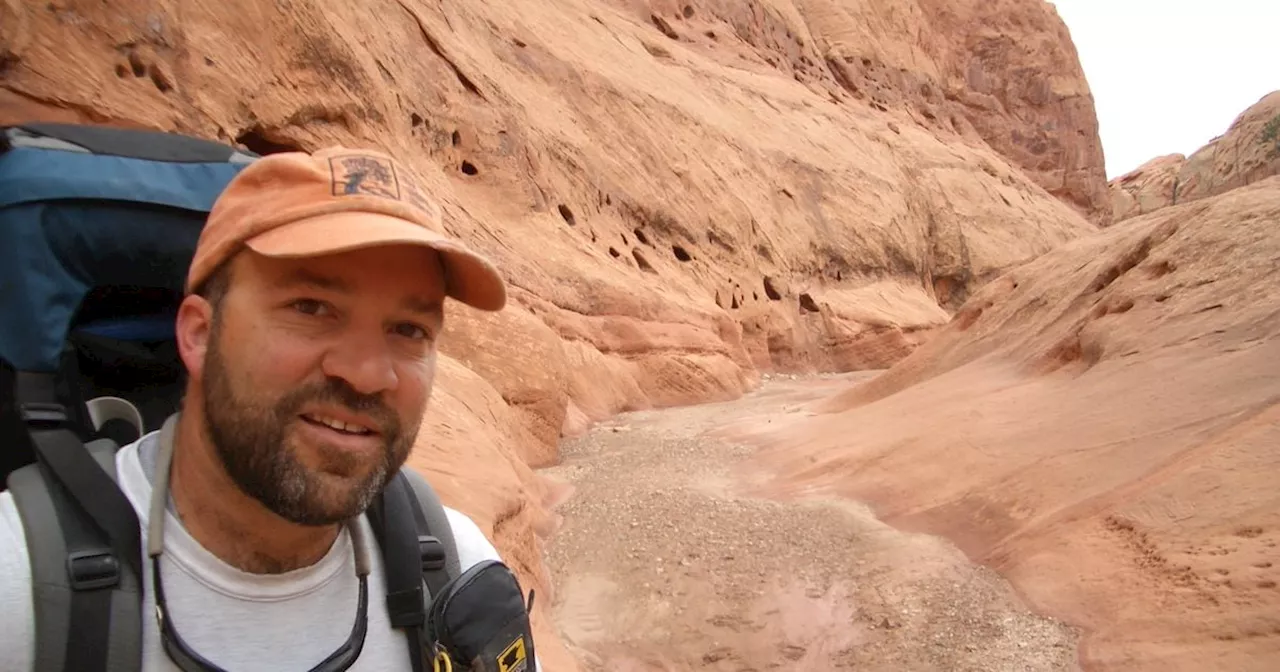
[(250, 437)]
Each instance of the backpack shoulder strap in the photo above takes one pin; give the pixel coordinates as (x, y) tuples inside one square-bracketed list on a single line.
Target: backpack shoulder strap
[(417, 546), (432, 521), (92, 621)]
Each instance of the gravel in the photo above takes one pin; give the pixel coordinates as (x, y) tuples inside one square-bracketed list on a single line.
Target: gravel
[(663, 562)]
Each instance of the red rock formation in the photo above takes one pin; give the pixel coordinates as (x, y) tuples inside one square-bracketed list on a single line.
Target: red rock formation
[(1099, 425), (1147, 188), (1001, 72), (1249, 151)]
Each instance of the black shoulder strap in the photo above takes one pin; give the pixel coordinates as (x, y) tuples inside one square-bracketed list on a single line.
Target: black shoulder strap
[(83, 541), (433, 523), (417, 546)]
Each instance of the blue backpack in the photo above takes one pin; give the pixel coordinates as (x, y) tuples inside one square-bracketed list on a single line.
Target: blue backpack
[(97, 228)]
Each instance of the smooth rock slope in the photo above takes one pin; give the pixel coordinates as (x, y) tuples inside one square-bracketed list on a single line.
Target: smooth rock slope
[(1099, 425)]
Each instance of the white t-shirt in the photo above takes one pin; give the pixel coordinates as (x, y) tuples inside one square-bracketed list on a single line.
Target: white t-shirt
[(237, 620)]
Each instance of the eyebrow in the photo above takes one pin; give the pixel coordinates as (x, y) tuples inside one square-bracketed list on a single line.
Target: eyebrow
[(301, 276), (417, 304)]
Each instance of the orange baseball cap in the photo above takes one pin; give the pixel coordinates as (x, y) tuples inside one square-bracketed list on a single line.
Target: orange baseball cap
[(296, 204)]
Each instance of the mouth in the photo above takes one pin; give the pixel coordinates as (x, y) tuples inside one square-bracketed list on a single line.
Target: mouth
[(347, 427)]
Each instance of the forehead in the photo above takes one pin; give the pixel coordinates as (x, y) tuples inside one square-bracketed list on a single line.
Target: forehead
[(394, 272)]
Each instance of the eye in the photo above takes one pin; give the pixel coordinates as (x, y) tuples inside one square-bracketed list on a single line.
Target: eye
[(309, 306), (413, 331)]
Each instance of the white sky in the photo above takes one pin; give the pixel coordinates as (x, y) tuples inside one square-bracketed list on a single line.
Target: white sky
[(1170, 75)]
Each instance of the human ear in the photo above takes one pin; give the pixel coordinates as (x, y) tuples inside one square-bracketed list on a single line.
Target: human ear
[(193, 329)]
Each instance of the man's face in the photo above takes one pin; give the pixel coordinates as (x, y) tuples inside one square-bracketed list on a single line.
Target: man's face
[(317, 374)]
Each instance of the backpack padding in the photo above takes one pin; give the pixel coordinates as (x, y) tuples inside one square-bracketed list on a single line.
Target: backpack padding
[(111, 637), (52, 256), (71, 222), (431, 510), (104, 409), (41, 175), (136, 143)]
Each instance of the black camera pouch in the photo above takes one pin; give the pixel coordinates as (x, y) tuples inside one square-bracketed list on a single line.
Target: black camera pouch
[(480, 620)]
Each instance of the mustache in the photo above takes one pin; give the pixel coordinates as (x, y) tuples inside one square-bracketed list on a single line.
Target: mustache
[(338, 392)]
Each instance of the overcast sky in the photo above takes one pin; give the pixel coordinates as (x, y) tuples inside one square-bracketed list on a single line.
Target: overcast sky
[(1170, 75)]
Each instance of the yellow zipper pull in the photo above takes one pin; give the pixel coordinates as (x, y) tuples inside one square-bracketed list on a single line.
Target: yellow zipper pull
[(441, 662)]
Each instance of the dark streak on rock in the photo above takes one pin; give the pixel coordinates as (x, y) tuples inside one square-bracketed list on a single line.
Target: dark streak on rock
[(435, 47)]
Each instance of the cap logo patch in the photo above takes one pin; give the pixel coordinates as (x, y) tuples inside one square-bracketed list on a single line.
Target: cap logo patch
[(364, 175), (367, 175)]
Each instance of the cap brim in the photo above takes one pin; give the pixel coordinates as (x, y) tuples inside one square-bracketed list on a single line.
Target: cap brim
[(469, 277)]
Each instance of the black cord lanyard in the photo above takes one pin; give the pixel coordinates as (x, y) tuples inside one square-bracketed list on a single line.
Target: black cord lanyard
[(178, 651)]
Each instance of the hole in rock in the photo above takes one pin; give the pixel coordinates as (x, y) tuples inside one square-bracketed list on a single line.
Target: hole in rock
[(613, 252), (415, 119), (771, 291), (680, 253), (121, 70), (255, 140), (470, 168), (641, 237), (807, 304), (456, 138), (642, 262), (567, 214), (135, 62), (663, 26), (735, 302), (688, 11), (161, 81)]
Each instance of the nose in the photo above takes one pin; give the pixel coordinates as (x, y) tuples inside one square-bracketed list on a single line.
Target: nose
[(364, 361)]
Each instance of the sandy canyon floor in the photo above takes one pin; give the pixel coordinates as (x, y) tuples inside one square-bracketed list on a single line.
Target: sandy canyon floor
[(663, 562)]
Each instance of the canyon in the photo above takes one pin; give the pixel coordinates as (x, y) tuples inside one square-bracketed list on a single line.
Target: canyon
[(685, 197)]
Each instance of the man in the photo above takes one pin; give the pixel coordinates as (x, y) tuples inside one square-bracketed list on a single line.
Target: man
[(309, 329)]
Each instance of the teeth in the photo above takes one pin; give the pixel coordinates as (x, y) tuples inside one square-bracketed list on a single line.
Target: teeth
[(339, 425)]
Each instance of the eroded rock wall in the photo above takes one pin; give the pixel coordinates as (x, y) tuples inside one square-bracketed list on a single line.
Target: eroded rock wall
[(1249, 151)]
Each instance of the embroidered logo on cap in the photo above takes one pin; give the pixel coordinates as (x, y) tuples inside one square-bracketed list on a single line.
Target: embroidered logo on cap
[(364, 175), (369, 175)]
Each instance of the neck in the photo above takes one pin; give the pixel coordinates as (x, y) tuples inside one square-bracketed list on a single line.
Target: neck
[(228, 523)]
